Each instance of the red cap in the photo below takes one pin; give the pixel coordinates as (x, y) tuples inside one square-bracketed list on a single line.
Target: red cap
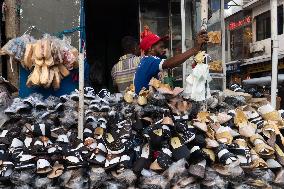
[(150, 40)]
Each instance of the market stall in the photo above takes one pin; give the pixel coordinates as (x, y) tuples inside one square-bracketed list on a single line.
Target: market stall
[(162, 137)]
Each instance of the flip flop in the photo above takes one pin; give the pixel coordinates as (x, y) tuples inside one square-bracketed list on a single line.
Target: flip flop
[(223, 135), (179, 149), (185, 131), (255, 118), (257, 162), (57, 170), (113, 144), (97, 159), (41, 130), (43, 166), (163, 160), (181, 118), (4, 139), (224, 156), (261, 148), (143, 162), (241, 150)]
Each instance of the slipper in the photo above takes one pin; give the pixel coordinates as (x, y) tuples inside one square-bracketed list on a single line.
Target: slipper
[(167, 121), (97, 159), (129, 94), (181, 118), (225, 157), (15, 145), (156, 137), (163, 160), (41, 130), (113, 144), (43, 166), (74, 160), (241, 150), (63, 138), (257, 162), (4, 139), (6, 170), (269, 113), (75, 96), (99, 132), (196, 153), (186, 132), (198, 170), (247, 130), (125, 162), (54, 149), (200, 125), (143, 162), (142, 98), (64, 98), (260, 146), (223, 118), (255, 118), (112, 160), (211, 143), (209, 155), (57, 170), (177, 91), (25, 161), (100, 148), (240, 118), (224, 135), (179, 149)]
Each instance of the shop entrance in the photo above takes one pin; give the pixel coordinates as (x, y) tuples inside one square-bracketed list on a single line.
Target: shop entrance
[(107, 22)]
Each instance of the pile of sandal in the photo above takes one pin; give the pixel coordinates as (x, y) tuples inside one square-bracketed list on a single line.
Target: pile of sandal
[(49, 59), (156, 139)]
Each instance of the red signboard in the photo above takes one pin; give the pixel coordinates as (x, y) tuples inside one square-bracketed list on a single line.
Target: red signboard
[(234, 25)]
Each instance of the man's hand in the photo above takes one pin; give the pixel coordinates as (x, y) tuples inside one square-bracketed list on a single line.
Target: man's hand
[(201, 39), (175, 61)]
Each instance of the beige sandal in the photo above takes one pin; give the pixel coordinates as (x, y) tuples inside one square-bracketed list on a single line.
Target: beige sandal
[(57, 170), (260, 146), (223, 135), (257, 162), (142, 98)]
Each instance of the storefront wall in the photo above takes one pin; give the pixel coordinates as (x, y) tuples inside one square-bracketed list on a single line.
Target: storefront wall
[(51, 16)]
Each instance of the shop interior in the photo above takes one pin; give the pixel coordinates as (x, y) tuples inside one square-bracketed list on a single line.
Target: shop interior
[(107, 22)]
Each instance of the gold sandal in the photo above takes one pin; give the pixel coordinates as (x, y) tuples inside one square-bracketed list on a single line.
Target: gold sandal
[(260, 147)]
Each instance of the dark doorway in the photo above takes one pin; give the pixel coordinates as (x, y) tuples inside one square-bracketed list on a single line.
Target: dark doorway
[(107, 22)]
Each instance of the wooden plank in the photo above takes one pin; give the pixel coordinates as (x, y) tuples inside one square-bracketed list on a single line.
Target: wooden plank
[(12, 31)]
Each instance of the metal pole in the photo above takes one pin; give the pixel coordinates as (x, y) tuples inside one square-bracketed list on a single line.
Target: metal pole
[(81, 87), (81, 97), (204, 14), (274, 55), (183, 47), (222, 12)]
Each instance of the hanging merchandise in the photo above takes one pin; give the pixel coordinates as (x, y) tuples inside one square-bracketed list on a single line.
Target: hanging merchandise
[(216, 66), (214, 37), (197, 83), (50, 59)]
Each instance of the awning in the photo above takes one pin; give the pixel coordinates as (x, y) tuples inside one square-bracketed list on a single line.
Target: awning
[(260, 59), (262, 81), (254, 3)]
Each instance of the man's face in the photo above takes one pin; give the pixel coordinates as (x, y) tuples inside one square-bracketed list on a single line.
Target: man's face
[(159, 49)]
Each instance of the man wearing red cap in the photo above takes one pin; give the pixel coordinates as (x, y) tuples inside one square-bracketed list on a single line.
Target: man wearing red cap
[(151, 64)]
